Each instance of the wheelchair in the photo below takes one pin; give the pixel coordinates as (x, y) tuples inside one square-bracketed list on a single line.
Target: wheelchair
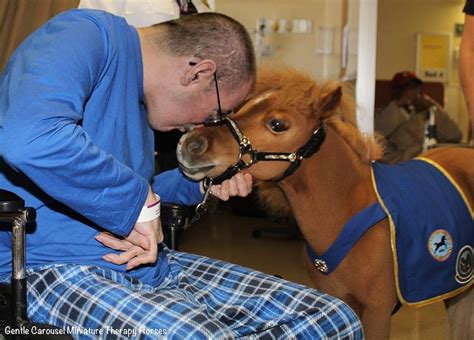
[(14, 322)]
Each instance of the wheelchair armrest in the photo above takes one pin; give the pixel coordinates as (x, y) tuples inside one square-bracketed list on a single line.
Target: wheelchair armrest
[(10, 202), (174, 219), (174, 215)]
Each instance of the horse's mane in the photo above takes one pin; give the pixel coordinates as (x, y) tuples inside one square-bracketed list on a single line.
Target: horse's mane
[(303, 94)]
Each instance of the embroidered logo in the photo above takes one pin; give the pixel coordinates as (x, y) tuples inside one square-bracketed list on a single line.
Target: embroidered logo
[(464, 265), (440, 245)]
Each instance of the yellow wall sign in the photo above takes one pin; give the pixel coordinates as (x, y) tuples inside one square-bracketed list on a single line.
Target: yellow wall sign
[(433, 56)]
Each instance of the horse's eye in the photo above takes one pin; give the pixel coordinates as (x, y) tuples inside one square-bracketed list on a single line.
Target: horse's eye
[(277, 125)]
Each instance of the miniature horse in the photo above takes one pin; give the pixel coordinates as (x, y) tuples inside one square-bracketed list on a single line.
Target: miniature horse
[(299, 137)]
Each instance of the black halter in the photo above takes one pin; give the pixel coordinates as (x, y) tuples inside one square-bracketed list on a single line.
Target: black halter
[(245, 148)]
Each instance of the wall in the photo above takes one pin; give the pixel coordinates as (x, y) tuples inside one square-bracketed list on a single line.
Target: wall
[(297, 49), (398, 22), (18, 18)]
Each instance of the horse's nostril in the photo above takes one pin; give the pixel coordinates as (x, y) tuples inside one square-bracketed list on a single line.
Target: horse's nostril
[(197, 145)]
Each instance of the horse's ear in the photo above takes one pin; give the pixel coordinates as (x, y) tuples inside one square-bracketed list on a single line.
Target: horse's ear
[(329, 99)]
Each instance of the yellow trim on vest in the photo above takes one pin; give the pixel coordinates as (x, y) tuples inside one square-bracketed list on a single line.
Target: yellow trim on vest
[(392, 235), (393, 240)]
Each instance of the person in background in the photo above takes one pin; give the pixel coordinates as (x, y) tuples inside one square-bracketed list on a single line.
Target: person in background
[(404, 121), (466, 62), (79, 100)]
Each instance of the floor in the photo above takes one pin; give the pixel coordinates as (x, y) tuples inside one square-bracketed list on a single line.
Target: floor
[(224, 235)]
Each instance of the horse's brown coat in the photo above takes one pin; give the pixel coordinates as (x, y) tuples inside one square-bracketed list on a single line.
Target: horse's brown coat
[(328, 188)]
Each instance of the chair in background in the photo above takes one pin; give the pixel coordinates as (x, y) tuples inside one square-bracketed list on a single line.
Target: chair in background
[(383, 95)]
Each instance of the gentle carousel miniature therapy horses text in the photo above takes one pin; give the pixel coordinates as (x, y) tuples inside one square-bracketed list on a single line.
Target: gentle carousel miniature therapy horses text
[(301, 137)]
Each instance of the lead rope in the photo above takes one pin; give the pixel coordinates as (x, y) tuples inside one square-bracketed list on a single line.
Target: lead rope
[(201, 208)]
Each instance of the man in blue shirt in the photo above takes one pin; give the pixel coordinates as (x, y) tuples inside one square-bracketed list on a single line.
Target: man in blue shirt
[(79, 100)]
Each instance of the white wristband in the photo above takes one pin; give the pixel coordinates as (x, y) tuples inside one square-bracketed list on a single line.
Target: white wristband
[(150, 212)]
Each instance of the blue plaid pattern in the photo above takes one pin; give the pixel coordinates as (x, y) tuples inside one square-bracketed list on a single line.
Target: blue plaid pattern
[(201, 298)]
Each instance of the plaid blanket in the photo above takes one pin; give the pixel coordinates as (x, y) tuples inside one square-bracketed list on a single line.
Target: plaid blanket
[(200, 298)]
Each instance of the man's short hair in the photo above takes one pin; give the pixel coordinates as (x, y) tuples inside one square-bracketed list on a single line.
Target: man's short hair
[(213, 36)]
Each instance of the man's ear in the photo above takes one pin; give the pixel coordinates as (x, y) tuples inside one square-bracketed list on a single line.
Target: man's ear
[(200, 72)]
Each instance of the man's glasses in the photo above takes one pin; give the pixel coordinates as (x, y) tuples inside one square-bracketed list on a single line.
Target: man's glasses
[(218, 116)]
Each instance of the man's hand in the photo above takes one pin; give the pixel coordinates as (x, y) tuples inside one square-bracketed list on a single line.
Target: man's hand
[(239, 185), (423, 102), (139, 247)]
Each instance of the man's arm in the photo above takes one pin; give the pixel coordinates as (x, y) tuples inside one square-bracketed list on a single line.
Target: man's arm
[(46, 87), (140, 246), (174, 187), (447, 131), (387, 121), (466, 67)]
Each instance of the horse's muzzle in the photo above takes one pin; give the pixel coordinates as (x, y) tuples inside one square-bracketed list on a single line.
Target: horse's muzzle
[(189, 152)]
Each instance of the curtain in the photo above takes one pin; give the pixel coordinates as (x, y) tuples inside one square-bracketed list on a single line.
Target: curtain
[(18, 18)]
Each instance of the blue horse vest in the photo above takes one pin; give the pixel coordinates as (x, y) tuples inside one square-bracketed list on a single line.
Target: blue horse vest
[(431, 227)]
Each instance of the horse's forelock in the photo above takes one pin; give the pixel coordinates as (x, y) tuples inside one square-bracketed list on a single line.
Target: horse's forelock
[(303, 94)]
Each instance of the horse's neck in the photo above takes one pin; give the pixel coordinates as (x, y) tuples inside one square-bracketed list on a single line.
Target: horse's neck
[(328, 188)]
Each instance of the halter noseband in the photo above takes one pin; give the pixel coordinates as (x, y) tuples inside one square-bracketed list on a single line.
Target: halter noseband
[(245, 148)]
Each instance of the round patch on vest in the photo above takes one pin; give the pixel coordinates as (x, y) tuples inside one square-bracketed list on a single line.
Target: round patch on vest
[(440, 245), (464, 265)]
